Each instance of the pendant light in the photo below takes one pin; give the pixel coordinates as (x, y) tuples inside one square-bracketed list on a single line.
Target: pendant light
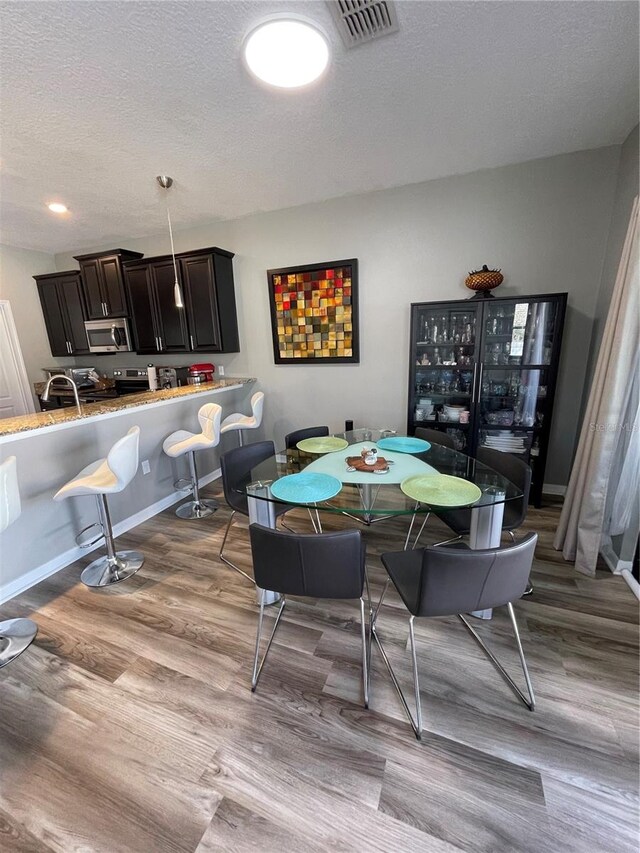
[(165, 182)]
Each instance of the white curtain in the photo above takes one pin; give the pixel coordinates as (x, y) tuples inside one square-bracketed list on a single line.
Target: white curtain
[(608, 445)]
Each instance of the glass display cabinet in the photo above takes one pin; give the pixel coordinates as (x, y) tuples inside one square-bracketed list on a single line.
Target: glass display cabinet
[(484, 371)]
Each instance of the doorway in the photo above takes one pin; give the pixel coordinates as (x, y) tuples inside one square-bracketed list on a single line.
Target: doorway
[(15, 394)]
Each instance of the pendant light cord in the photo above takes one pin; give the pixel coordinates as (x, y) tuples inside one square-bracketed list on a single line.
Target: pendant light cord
[(165, 182), (177, 290), (173, 253)]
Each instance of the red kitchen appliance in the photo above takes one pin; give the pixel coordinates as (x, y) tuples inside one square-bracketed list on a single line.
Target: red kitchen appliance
[(199, 373)]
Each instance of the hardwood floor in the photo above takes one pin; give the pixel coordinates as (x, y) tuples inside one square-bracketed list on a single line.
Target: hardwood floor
[(129, 724)]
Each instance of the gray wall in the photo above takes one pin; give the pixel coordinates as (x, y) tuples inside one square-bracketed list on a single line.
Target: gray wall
[(545, 223), (626, 191), (17, 268)]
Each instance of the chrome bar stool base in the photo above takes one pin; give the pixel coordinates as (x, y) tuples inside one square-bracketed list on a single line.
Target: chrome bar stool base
[(16, 635), (114, 566), (106, 571), (197, 509)]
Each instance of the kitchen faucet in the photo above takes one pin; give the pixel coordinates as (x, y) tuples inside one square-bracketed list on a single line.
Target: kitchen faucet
[(62, 378)]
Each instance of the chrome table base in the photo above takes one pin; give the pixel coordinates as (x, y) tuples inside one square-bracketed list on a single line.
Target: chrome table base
[(15, 636), (106, 571)]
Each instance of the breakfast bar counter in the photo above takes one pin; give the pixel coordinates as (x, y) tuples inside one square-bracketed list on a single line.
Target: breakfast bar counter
[(52, 447), (114, 406)]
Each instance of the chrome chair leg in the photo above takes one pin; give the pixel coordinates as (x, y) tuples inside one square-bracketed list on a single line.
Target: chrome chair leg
[(530, 701), (258, 669), (416, 683), (416, 724), (365, 656), (415, 541), (448, 541), (374, 613), (369, 637), (413, 518), (226, 560)]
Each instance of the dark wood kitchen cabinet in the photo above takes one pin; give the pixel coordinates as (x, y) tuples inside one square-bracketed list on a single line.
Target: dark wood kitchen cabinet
[(158, 325), (103, 282), (64, 311), (207, 323), (207, 280)]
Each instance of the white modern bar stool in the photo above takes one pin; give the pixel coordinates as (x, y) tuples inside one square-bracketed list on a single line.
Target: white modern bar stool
[(102, 478), (239, 422), (15, 634), (182, 441)]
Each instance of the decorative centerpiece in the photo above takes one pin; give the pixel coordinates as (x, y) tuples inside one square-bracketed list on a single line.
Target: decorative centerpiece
[(370, 456), (368, 461), (482, 281)]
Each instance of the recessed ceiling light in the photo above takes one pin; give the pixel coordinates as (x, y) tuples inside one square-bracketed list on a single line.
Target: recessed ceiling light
[(286, 53), (56, 207)]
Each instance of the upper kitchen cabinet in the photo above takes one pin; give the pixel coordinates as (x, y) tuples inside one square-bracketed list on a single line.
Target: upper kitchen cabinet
[(103, 282), (64, 312), (158, 325), (208, 322), (207, 281)]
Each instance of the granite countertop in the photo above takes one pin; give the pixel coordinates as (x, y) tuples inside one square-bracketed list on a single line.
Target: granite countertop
[(25, 423)]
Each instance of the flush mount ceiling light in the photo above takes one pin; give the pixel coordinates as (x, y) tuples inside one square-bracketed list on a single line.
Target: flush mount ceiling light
[(56, 207), (286, 53)]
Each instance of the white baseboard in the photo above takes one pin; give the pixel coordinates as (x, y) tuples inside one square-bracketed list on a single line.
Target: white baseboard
[(65, 559), (633, 583), (553, 489), (612, 560)]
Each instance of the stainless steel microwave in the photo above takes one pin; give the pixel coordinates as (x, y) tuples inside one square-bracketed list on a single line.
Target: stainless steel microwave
[(108, 335)]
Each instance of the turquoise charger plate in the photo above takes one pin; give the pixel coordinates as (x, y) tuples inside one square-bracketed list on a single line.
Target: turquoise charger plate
[(306, 488), (404, 444)]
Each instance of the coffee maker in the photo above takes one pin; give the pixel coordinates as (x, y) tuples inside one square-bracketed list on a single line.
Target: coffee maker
[(172, 377)]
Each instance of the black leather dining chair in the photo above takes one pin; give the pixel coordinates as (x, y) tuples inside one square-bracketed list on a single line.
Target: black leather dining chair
[(293, 438), (515, 511), (447, 581), (236, 466), (316, 565), (435, 436), (442, 439), (290, 442)]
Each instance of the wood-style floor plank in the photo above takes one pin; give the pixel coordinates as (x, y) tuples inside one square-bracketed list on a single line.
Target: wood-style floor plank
[(129, 725)]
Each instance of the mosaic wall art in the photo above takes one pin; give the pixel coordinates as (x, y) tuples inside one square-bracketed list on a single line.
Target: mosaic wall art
[(314, 313)]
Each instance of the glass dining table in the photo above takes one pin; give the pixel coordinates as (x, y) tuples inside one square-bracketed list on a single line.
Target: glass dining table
[(340, 474)]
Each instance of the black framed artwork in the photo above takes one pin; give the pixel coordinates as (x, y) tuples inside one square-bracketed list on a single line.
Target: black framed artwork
[(314, 313)]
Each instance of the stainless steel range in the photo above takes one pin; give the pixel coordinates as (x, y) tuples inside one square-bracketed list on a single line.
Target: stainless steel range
[(131, 380)]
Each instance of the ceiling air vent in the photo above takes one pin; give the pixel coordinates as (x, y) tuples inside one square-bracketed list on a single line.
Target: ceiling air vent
[(360, 21)]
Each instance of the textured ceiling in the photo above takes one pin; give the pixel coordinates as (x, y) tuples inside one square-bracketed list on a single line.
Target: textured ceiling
[(98, 98)]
